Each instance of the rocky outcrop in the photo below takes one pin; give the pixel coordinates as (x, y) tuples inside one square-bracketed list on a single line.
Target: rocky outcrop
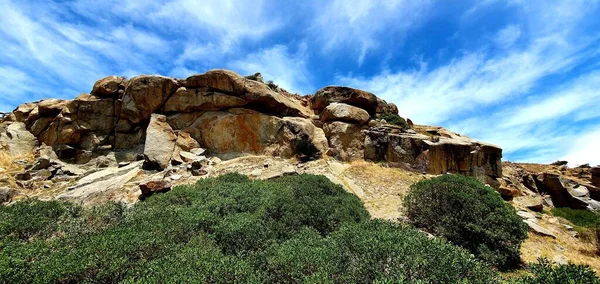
[(16, 140), (336, 94), (345, 113), (163, 119)]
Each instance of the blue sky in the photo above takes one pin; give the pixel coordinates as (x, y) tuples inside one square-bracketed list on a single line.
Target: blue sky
[(524, 75)]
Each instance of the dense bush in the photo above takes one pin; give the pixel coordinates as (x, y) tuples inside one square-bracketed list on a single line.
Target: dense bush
[(545, 273), (225, 230), (394, 119), (468, 214)]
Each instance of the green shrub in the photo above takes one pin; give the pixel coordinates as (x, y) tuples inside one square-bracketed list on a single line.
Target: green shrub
[(394, 119), (468, 214), (229, 230), (33, 218), (545, 273)]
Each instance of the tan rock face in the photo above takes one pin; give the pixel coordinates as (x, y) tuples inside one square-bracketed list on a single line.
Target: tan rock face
[(335, 94), (145, 95), (160, 142), (16, 140), (109, 87), (224, 112), (345, 113), (347, 140), (193, 100)]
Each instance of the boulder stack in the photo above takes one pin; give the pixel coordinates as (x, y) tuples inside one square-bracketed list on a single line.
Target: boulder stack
[(163, 119)]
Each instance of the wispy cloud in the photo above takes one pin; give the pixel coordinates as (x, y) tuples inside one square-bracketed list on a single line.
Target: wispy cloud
[(358, 25)]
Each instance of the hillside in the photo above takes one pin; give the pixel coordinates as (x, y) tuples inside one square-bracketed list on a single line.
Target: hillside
[(130, 139)]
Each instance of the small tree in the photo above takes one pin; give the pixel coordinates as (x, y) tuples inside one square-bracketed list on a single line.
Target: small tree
[(468, 214)]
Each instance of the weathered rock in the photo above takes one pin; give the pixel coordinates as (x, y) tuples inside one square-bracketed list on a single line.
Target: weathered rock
[(537, 229), (188, 157), (160, 142), (344, 112), (154, 186), (145, 95), (185, 141), (567, 193), (193, 100), (398, 150), (6, 195), (198, 151), (16, 140), (101, 182), (50, 107), (336, 94), (21, 113), (258, 95), (108, 87), (595, 172), (384, 107), (347, 139)]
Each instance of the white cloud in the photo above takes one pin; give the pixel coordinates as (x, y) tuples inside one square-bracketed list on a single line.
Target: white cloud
[(508, 36), (358, 25), (584, 149), (287, 70)]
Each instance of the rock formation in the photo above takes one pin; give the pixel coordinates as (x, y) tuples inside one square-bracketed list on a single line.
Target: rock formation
[(161, 119)]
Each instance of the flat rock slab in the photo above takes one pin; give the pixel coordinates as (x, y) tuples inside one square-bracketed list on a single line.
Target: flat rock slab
[(536, 228), (102, 181)]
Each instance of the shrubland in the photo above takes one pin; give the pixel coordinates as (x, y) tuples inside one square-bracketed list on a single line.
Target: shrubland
[(295, 229)]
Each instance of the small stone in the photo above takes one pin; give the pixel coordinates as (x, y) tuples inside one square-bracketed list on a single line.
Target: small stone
[(568, 227), (150, 187), (215, 160), (256, 173), (123, 164), (560, 260), (199, 172), (525, 215), (199, 164), (23, 176), (176, 177), (6, 195), (2, 170), (198, 151), (41, 163), (188, 157)]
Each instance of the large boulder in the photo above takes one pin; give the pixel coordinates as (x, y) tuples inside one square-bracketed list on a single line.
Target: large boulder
[(193, 100), (82, 124), (145, 95), (346, 139), (109, 87), (336, 94), (258, 95), (345, 113), (566, 192), (160, 143), (16, 140), (22, 112)]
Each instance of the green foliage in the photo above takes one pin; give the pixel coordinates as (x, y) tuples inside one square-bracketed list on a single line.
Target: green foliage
[(544, 273), (582, 218), (33, 218), (468, 214), (227, 230), (394, 119)]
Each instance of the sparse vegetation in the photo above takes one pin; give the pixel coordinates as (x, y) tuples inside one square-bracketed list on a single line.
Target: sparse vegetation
[(544, 272), (394, 119), (272, 85), (468, 214), (225, 230)]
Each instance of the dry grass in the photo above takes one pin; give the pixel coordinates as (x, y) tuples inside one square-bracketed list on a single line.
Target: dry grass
[(575, 250), (10, 168), (382, 188)]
